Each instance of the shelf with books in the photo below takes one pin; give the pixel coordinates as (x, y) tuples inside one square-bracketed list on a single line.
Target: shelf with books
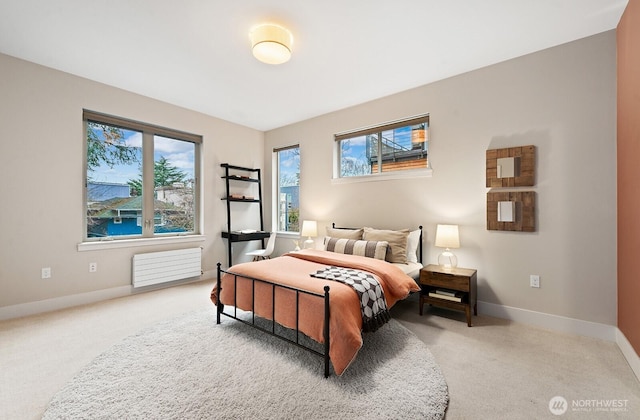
[(442, 294)]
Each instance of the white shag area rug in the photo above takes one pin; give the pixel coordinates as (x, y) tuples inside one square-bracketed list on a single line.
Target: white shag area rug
[(190, 368)]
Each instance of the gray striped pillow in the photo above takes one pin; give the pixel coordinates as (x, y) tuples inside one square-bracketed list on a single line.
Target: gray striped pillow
[(371, 249)]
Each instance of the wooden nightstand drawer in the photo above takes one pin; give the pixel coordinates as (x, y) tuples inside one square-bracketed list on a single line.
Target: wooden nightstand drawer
[(449, 281)]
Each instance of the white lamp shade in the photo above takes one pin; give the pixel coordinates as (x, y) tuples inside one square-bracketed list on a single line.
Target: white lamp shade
[(447, 236), (271, 44), (309, 228)]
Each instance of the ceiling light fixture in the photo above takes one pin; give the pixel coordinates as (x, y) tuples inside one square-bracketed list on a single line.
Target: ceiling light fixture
[(271, 43)]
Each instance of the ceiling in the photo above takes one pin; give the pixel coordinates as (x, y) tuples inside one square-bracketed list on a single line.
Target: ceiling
[(196, 53)]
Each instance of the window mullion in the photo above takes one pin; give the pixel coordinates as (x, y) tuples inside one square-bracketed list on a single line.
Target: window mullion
[(148, 185), (379, 152)]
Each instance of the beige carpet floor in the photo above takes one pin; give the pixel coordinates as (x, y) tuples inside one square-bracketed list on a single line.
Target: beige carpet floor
[(495, 369)]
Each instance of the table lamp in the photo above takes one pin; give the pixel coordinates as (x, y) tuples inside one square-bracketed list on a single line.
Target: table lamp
[(309, 229), (447, 237)]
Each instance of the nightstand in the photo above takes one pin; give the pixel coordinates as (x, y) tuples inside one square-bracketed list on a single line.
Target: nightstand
[(453, 289)]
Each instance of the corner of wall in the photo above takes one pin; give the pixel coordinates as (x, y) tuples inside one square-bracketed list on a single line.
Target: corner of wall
[(628, 352)]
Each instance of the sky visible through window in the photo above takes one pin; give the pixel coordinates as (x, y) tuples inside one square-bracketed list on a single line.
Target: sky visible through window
[(289, 167), (180, 154)]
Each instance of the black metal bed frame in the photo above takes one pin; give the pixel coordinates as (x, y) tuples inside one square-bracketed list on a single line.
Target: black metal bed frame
[(325, 353), (272, 331)]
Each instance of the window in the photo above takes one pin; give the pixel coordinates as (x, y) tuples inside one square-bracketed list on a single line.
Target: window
[(287, 179), (397, 146), (141, 180)]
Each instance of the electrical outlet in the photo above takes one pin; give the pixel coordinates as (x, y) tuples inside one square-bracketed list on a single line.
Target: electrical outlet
[(93, 267), (534, 280), (46, 273)]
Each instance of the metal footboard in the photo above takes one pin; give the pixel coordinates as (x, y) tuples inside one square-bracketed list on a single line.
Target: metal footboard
[(220, 311)]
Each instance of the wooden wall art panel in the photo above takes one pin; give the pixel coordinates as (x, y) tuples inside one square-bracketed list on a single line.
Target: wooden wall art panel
[(524, 219), (521, 173)]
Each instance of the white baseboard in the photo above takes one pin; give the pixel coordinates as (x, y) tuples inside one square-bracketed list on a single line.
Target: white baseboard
[(628, 352), (549, 321), (63, 302), (566, 325)]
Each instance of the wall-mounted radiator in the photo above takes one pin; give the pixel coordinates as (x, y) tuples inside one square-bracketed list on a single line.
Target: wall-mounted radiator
[(165, 266)]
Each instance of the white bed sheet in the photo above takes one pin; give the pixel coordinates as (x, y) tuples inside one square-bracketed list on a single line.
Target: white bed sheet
[(411, 269)]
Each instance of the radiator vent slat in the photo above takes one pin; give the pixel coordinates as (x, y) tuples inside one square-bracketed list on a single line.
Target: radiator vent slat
[(166, 266)]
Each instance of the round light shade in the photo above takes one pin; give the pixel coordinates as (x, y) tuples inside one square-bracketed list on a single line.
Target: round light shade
[(271, 44)]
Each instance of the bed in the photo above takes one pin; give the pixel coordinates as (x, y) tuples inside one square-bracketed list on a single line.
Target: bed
[(298, 290)]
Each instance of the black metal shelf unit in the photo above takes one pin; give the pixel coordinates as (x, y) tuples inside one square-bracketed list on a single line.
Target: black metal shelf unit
[(253, 177)]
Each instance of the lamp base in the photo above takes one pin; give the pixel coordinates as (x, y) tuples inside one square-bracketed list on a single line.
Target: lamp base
[(309, 244), (447, 260)]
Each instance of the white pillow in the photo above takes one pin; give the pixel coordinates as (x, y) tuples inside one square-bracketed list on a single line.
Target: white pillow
[(413, 242)]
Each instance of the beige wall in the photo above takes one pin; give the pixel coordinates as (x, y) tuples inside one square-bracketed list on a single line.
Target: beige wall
[(41, 194), (563, 101), (629, 173)]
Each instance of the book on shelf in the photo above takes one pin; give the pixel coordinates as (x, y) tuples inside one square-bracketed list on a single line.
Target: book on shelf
[(456, 298), (445, 292)]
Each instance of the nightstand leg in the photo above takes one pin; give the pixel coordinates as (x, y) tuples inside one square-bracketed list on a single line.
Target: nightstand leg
[(467, 310), (475, 309), (421, 304)]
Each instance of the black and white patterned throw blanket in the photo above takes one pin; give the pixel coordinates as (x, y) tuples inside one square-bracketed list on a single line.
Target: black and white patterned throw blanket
[(372, 301)]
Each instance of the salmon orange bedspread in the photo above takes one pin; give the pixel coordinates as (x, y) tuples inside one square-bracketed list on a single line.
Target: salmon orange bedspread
[(294, 270)]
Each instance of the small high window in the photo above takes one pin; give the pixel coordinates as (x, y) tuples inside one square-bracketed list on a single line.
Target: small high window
[(397, 146)]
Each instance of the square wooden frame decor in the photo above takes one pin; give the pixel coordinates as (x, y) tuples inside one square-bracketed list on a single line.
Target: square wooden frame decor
[(524, 219), (524, 158)]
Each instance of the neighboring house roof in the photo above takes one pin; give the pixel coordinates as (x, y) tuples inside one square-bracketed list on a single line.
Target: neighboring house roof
[(125, 207), (101, 191)]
